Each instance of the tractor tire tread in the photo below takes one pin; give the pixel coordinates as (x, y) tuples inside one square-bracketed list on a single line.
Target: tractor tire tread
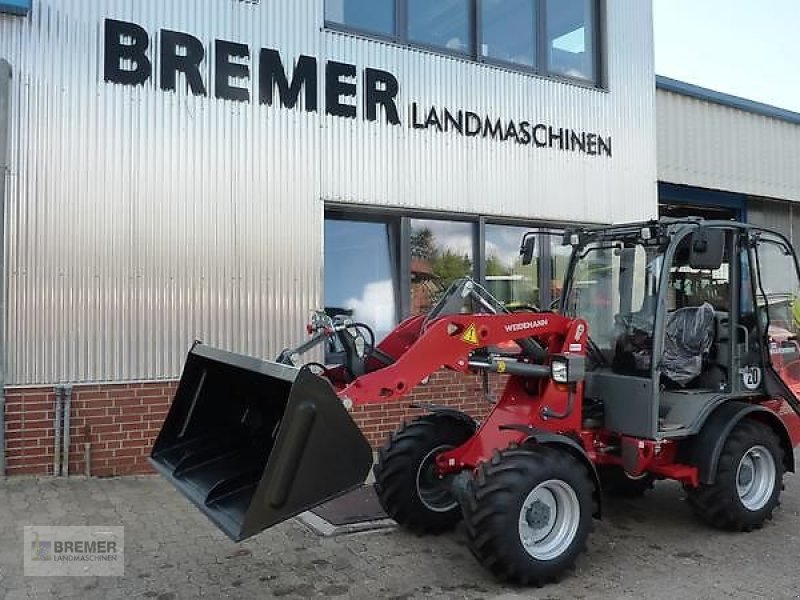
[(491, 492), (400, 455), (715, 504)]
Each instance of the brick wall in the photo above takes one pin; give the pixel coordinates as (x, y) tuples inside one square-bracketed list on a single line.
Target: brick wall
[(121, 421)]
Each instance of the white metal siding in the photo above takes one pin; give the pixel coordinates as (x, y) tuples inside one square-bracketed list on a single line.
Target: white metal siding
[(400, 166), (709, 145), (139, 220)]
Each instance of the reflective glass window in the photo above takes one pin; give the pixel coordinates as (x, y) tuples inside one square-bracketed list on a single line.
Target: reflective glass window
[(507, 279), (570, 38), (359, 273), (441, 252), (443, 23), (508, 31), (375, 16)]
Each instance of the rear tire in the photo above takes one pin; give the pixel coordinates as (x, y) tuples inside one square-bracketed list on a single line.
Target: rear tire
[(528, 514), (405, 477), (616, 482), (748, 482)]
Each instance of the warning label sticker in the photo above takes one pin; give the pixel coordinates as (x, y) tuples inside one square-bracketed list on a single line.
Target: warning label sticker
[(471, 335)]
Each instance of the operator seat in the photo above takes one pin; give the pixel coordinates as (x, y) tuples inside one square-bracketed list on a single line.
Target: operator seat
[(689, 334)]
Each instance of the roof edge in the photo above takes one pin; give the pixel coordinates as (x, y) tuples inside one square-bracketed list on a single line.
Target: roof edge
[(737, 102)]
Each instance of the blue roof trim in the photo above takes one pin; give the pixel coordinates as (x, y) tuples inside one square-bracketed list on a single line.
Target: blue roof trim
[(694, 91)]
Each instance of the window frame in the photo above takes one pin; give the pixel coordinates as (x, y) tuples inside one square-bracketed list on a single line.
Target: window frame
[(399, 221), (539, 69), (598, 14)]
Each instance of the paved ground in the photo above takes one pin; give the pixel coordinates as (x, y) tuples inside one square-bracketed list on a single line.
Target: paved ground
[(651, 548)]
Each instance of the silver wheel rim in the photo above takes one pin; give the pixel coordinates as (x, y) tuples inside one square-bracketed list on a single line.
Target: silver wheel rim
[(549, 519), (430, 490), (755, 478)]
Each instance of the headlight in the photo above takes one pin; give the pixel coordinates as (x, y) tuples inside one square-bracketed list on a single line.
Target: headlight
[(567, 368), (559, 371)]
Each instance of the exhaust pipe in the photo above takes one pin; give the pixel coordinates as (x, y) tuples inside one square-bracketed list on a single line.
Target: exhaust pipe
[(252, 443)]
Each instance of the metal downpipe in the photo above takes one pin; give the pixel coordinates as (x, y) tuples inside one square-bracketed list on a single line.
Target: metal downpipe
[(5, 112), (66, 436), (59, 407)]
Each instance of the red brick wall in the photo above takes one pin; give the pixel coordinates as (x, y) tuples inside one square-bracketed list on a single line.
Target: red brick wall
[(121, 421)]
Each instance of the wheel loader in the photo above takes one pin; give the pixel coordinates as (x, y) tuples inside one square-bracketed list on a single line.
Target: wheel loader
[(671, 356)]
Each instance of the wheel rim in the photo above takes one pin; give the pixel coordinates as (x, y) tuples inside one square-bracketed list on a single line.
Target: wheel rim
[(755, 478), (549, 519), (431, 491)]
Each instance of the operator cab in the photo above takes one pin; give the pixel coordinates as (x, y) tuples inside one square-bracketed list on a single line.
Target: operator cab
[(678, 318)]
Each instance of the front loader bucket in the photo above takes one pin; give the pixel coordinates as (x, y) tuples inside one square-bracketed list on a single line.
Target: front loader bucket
[(253, 442)]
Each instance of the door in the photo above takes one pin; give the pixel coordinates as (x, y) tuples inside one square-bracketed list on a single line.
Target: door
[(777, 293)]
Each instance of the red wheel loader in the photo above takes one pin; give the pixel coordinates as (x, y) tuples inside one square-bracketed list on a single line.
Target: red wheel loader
[(658, 364)]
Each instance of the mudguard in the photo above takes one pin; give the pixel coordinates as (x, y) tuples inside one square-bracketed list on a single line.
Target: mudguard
[(564, 442), (707, 445)]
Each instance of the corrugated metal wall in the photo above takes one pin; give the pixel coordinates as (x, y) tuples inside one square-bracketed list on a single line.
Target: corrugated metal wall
[(426, 169), (139, 220), (709, 145), (780, 216)]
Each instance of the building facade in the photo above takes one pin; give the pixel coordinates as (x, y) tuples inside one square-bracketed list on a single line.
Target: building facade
[(214, 169)]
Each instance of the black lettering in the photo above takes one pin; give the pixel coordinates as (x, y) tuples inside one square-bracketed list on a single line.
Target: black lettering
[(189, 63), (556, 136), (58, 547), (414, 121), (226, 70), (577, 142), (604, 145), (433, 119), (474, 124), (591, 144), (540, 142), (335, 88), (272, 73), (511, 131), (495, 130), (450, 120), (524, 136), (381, 88), (116, 51)]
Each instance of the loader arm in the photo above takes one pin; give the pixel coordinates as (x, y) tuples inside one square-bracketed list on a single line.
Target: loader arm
[(448, 342)]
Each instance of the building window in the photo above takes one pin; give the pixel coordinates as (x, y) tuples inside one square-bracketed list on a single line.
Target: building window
[(444, 24), (508, 31), (441, 252), (382, 268), (360, 273), (570, 38), (547, 37), (372, 16), (507, 279)]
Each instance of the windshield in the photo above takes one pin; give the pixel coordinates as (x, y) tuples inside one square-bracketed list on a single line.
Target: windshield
[(614, 288)]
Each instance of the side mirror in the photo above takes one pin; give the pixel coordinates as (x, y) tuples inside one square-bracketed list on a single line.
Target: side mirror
[(707, 248), (527, 249)]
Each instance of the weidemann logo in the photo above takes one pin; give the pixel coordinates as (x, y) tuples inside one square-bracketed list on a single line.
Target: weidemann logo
[(526, 325)]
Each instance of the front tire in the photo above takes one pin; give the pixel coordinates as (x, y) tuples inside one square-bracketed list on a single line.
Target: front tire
[(748, 482), (528, 513), (406, 481)]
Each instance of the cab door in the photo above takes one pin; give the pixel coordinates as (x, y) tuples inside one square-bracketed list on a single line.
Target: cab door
[(777, 293)]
